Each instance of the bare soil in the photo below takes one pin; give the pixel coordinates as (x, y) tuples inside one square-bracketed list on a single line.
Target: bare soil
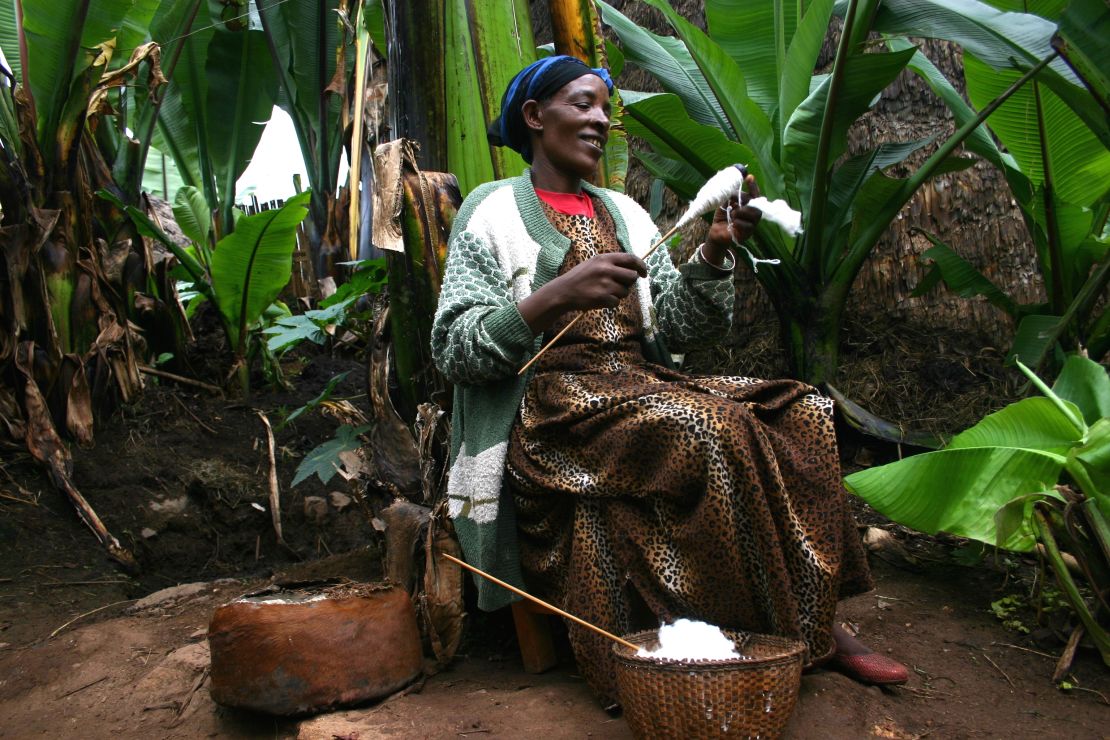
[(181, 479)]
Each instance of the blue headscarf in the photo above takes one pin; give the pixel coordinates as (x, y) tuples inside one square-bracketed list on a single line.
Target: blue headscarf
[(538, 81)]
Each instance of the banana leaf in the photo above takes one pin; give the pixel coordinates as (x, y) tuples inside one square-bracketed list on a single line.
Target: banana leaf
[(182, 130), (661, 119), (9, 40), (960, 276), (486, 44), (1003, 464), (1083, 39), (191, 213), (169, 26), (667, 59), (308, 44), (1036, 127), (64, 41), (242, 90), (251, 265), (747, 120), (1003, 40), (1087, 385), (757, 34), (865, 76), (957, 491)]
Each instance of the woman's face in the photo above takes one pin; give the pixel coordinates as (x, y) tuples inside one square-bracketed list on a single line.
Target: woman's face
[(573, 127)]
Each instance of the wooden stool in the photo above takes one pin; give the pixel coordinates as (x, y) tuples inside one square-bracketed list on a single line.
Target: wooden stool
[(533, 632)]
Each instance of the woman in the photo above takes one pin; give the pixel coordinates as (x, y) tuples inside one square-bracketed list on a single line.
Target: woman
[(603, 479)]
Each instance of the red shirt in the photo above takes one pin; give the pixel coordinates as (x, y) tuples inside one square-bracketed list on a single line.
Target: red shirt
[(572, 204)]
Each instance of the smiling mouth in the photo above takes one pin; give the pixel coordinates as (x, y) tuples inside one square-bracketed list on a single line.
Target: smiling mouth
[(595, 141)]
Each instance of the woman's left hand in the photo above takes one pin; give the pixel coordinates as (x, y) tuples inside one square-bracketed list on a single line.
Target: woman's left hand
[(734, 220)]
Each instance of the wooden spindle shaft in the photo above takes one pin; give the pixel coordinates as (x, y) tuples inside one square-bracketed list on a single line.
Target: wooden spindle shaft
[(574, 321), (542, 603)]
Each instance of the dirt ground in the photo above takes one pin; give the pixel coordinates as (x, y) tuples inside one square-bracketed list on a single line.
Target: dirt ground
[(89, 651)]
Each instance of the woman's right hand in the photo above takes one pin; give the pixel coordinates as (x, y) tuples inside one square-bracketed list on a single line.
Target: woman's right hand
[(599, 282)]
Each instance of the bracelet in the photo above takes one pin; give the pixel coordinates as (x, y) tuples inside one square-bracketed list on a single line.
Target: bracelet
[(730, 261)]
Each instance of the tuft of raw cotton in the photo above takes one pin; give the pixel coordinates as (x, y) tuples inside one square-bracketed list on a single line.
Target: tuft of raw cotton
[(714, 193), (779, 212), (688, 639)]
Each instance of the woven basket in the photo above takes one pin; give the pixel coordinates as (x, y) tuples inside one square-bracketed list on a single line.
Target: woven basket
[(751, 696)]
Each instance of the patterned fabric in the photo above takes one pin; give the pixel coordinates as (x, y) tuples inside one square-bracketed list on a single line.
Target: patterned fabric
[(503, 247), (644, 494)]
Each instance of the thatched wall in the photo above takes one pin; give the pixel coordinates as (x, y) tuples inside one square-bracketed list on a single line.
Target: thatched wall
[(971, 210)]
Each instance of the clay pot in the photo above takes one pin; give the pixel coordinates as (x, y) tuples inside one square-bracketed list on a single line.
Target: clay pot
[(294, 652)]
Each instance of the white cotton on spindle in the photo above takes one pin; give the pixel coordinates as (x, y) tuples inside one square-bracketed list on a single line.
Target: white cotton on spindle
[(714, 193), (779, 212)]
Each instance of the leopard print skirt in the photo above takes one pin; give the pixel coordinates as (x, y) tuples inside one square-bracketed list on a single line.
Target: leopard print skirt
[(644, 494)]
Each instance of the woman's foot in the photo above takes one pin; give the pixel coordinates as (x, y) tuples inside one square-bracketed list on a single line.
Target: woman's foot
[(857, 661)]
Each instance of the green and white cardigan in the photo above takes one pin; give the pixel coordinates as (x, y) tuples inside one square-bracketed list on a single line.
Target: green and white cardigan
[(503, 247)]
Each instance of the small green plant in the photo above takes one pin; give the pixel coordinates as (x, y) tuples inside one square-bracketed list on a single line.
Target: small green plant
[(325, 395), (1008, 610), (1035, 473), (288, 330), (243, 275), (324, 460)]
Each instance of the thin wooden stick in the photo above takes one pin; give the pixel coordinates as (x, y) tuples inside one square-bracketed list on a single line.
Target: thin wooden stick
[(94, 611), (543, 603), (574, 321), (275, 501), (147, 370)]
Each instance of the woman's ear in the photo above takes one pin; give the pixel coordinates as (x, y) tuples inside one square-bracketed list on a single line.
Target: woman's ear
[(532, 112)]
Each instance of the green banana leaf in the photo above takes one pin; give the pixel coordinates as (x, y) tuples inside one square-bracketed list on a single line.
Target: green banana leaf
[(661, 119), (983, 483), (251, 265), (980, 141), (957, 491), (160, 176), (1003, 40), (757, 34), (961, 277), (801, 60), (191, 213), (1084, 41), (667, 59), (169, 26), (865, 76), (9, 40), (62, 39), (1080, 162), (242, 91), (305, 41), (1031, 424), (1087, 385), (746, 119), (487, 43), (182, 130)]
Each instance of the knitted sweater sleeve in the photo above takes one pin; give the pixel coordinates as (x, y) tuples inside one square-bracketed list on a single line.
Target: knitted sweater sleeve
[(478, 334)]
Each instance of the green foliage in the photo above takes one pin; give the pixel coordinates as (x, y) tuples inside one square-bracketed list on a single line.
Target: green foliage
[(1059, 172), (315, 402), (736, 96), (999, 482), (289, 330), (251, 265), (323, 460), (485, 44), (1019, 451)]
